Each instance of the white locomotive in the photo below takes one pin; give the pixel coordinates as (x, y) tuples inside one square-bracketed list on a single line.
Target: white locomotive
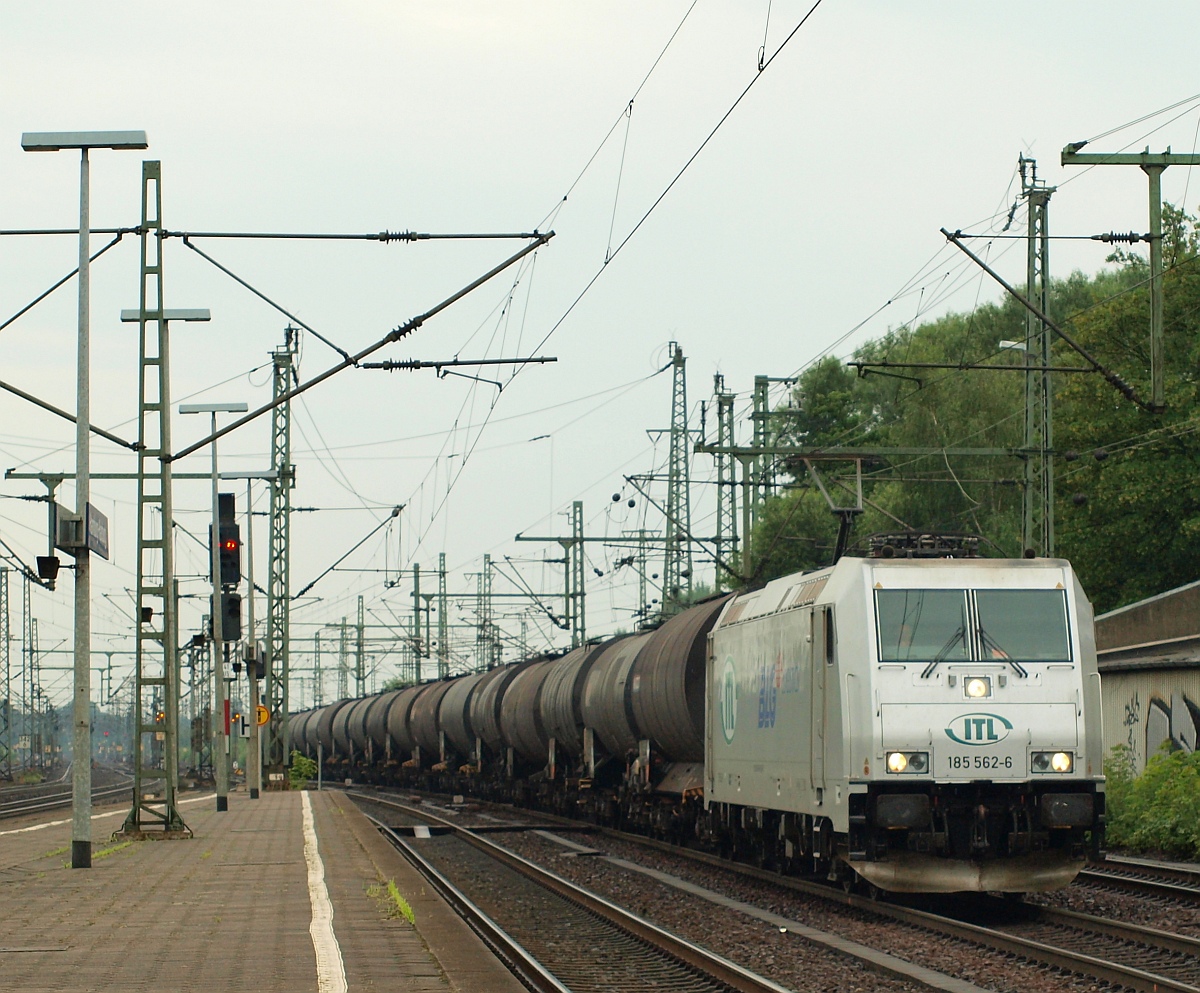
[(934, 723)]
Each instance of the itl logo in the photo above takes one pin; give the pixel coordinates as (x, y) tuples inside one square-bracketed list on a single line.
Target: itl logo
[(978, 729), (728, 705)]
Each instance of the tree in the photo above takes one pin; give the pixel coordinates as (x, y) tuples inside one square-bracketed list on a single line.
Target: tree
[(1127, 510)]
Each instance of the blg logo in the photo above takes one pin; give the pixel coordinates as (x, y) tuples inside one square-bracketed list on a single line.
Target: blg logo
[(728, 701), (978, 729)]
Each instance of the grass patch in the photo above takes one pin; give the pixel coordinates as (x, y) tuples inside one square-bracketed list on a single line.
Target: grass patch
[(55, 851), (390, 899), (111, 850), (99, 854)]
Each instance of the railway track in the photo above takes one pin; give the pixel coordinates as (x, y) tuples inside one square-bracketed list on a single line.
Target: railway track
[(1111, 952), (1146, 878), (555, 936), (52, 797), (1125, 955)]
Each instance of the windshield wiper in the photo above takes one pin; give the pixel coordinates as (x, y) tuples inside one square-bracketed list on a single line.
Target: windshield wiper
[(990, 644), (955, 638)]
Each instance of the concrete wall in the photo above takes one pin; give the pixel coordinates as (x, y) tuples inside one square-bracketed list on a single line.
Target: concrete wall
[(1170, 615)]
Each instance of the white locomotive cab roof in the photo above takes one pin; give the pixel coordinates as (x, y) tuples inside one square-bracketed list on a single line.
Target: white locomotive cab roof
[(804, 588), (934, 574)]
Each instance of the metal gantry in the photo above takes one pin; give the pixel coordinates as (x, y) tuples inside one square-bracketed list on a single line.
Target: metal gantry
[(283, 480), (1152, 164), (574, 616), (156, 655)]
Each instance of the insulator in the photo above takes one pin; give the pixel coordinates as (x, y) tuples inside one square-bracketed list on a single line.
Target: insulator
[(386, 236), (1121, 237)]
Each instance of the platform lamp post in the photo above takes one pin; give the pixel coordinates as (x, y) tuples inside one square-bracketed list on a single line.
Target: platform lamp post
[(221, 724), (81, 737)]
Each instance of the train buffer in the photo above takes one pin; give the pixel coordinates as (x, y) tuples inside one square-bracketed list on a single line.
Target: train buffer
[(239, 906)]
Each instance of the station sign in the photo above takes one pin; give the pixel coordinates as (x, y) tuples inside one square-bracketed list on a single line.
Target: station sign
[(67, 531), (96, 532)]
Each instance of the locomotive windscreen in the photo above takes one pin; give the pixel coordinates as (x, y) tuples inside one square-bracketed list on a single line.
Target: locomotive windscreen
[(1024, 625), (919, 625), (1014, 625)]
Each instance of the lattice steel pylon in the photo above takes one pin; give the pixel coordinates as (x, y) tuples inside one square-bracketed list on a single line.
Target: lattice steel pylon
[(443, 645), (156, 662), (677, 565), (576, 590), (360, 656), (6, 728), (483, 617), (318, 674), (1037, 519), (343, 661), (279, 589), (726, 545)]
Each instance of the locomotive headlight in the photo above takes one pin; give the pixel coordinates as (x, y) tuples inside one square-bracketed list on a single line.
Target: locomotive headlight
[(978, 687), (1061, 762), (909, 762)]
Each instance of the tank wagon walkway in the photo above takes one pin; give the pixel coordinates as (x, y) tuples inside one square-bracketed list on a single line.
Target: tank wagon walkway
[(230, 909)]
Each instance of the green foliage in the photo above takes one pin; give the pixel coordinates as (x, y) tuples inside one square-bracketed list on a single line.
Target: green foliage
[(1129, 520), (301, 770), (1158, 811)]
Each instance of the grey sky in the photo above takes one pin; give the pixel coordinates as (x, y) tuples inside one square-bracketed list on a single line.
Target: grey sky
[(817, 202)]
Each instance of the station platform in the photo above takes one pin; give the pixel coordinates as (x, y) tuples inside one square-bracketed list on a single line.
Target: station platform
[(243, 905)]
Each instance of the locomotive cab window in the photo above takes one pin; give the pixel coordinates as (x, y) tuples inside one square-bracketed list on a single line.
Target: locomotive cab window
[(935, 626), (922, 625), (1023, 625)]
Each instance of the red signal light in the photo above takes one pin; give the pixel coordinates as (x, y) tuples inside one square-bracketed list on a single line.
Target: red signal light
[(230, 544)]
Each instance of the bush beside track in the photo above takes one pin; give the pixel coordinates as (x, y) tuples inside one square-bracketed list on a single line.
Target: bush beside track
[(1158, 812)]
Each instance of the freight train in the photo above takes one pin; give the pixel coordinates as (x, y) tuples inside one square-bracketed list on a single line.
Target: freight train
[(916, 720)]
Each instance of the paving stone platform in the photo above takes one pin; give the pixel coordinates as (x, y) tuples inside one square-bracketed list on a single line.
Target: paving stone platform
[(228, 910)]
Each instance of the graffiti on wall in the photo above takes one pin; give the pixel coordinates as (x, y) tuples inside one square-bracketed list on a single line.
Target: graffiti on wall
[(1146, 728)]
